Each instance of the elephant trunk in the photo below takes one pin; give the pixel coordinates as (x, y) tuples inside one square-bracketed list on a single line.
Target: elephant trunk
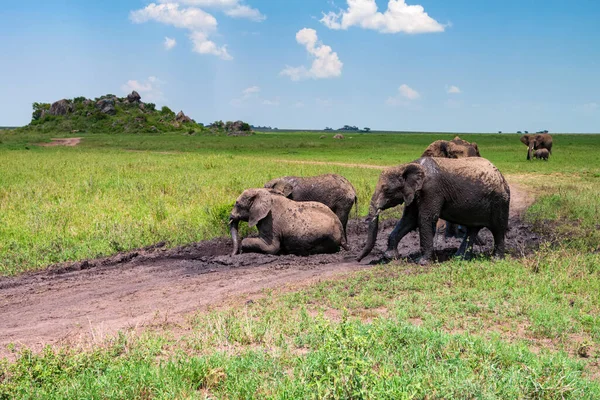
[(530, 151), (233, 228), (373, 219)]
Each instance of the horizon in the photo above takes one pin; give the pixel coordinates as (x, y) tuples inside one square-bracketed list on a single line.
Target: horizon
[(420, 66)]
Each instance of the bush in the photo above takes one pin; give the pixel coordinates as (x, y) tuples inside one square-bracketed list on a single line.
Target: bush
[(166, 111), (38, 108), (150, 107)]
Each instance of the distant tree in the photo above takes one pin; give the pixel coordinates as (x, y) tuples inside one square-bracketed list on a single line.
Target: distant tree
[(150, 106), (78, 100), (526, 131), (328, 129), (166, 111), (217, 124), (367, 129), (499, 131), (38, 109), (518, 131)]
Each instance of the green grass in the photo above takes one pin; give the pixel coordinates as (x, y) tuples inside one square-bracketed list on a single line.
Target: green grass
[(517, 328), (118, 192)]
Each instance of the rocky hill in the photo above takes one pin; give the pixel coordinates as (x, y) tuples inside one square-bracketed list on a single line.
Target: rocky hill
[(112, 114)]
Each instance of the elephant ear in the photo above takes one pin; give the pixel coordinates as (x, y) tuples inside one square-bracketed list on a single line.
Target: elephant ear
[(261, 207), (445, 149), (413, 176), (285, 188), (474, 145)]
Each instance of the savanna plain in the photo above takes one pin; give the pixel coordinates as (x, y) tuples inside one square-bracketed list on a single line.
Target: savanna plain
[(527, 326)]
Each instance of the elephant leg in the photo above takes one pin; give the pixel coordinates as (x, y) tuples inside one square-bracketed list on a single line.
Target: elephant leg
[(259, 245), (466, 247), (498, 242), (407, 223), (343, 216), (426, 233)]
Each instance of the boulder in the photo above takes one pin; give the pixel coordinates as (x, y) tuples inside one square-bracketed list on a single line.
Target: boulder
[(134, 97), (106, 106), (322, 137), (61, 107), (339, 136), (182, 118)]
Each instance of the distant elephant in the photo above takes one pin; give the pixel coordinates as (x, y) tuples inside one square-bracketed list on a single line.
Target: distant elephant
[(285, 226), (469, 191), (335, 191), (536, 142), (455, 148), (542, 154)]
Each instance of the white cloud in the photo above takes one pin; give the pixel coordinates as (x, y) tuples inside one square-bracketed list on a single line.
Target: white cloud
[(399, 17), (452, 89), (170, 43), (250, 91), (203, 45), (326, 63), (243, 11), (198, 22), (232, 8), (405, 96), (408, 92), (150, 90), (324, 102), (299, 105), (274, 102)]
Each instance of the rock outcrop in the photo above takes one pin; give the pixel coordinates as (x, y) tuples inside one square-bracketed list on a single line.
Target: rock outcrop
[(61, 107), (182, 118), (134, 97)]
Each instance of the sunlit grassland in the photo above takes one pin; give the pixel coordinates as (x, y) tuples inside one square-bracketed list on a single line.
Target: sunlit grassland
[(119, 192), (517, 328)]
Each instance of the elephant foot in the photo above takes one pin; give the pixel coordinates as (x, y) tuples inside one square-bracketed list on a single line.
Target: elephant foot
[(423, 261), (391, 254)]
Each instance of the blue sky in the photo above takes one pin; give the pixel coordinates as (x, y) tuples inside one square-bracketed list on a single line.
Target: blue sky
[(448, 65)]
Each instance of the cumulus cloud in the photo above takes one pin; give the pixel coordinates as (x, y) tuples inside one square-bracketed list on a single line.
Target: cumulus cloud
[(405, 96), (274, 102), (399, 17), (326, 63), (232, 8), (252, 93), (150, 89), (170, 43), (185, 14), (452, 89)]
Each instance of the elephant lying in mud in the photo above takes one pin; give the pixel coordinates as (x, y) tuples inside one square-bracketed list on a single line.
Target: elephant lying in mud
[(536, 142), (285, 226), (542, 154), (455, 148), (335, 191), (469, 191)]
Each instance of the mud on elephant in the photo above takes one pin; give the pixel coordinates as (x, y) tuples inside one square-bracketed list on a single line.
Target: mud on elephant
[(285, 226), (335, 191), (455, 148), (536, 142), (469, 191)]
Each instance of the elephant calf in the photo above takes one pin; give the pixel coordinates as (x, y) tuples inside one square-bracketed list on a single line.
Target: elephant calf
[(285, 226), (467, 191), (335, 191), (542, 154)]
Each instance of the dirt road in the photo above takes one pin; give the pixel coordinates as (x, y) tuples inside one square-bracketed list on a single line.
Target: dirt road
[(86, 301)]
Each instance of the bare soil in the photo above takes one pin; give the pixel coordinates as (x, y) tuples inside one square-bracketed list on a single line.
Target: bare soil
[(87, 301), (69, 142)]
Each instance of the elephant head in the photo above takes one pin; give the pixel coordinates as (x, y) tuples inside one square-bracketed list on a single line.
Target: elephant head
[(396, 186), (456, 148), (253, 205), (280, 185)]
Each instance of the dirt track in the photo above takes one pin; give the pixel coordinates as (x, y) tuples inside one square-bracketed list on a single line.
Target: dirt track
[(86, 301)]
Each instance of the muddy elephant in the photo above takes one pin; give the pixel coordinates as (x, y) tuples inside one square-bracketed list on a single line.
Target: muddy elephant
[(467, 191), (542, 154), (285, 226), (455, 148), (537, 141), (335, 191)]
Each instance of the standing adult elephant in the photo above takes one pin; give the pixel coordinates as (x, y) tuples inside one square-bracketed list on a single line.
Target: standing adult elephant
[(335, 191), (284, 225), (455, 148), (537, 141), (468, 191)]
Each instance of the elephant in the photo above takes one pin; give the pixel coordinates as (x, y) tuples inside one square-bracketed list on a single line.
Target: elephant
[(541, 154), (285, 226), (455, 148), (335, 191), (467, 191), (536, 142)]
